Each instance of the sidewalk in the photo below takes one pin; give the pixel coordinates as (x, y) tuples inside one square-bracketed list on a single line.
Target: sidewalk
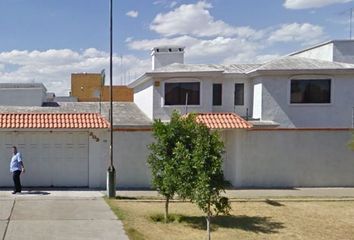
[(261, 193), (61, 215)]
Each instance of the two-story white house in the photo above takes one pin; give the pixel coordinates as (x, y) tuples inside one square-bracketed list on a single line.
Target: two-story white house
[(300, 107), (310, 88)]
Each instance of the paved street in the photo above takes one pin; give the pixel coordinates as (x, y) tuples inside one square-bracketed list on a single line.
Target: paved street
[(57, 215)]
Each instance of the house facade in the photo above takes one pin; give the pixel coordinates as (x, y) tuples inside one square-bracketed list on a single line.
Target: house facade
[(294, 91), (285, 123), (300, 107)]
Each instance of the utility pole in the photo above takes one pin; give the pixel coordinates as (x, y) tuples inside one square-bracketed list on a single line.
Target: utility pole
[(111, 172)]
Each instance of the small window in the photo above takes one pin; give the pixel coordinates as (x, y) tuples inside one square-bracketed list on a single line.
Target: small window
[(217, 94), (310, 91), (239, 94), (182, 93)]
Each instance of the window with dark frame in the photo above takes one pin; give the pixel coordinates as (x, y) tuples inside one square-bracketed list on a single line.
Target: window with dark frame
[(176, 93), (315, 91), (239, 94), (217, 94)]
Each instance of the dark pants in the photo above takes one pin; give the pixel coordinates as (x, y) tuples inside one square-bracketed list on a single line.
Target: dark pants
[(17, 181)]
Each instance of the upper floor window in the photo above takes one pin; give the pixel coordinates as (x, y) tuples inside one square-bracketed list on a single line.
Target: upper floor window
[(182, 93), (217, 94), (310, 91), (239, 98)]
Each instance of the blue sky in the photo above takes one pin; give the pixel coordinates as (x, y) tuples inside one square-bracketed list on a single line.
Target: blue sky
[(46, 40)]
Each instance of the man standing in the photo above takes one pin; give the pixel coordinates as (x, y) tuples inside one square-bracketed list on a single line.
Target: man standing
[(16, 167)]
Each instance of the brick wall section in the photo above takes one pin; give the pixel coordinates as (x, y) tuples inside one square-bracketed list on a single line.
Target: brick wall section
[(120, 94), (87, 87)]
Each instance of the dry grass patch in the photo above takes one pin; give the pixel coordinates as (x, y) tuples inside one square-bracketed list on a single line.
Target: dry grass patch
[(248, 220)]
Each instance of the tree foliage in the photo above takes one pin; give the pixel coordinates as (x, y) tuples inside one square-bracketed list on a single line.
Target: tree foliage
[(186, 159), (172, 143), (207, 170)]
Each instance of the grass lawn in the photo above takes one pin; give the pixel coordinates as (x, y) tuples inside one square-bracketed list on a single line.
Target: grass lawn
[(313, 220)]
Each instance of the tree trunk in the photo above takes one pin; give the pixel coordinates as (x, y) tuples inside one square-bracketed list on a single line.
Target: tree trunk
[(208, 223), (166, 209)]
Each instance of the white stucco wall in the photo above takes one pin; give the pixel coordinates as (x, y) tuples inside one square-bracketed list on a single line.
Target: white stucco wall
[(98, 158), (165, 58), (337, 51), (289, 159), (228, 91), (257, 101), (22, 96), (324, 52), (276, 103), (131, 155), (206, 96), (143, 98)]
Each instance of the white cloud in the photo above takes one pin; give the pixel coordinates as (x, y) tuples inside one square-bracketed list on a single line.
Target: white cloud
[(54, 67), (129, 39), (213, 50), (236, 49), (147, 44), (303, 4), (166, 3), (196, 20), (305, 33), (133, 14), (173, 4)]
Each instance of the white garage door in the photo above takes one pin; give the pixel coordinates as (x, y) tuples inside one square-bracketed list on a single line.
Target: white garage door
[(58, 159)]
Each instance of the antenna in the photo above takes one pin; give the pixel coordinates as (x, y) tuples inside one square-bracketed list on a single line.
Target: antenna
[(186, 107), (350, 23), (121, 68), (344, 13)]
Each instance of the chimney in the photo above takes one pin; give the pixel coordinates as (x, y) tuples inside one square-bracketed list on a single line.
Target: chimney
[(163, 56)]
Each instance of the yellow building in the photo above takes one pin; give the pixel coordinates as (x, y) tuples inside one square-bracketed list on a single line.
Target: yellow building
[(89, 87)]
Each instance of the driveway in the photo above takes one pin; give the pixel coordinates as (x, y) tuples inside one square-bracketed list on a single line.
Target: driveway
[(57, 215)]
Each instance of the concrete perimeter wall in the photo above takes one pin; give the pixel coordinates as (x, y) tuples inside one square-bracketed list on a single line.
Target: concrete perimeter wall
[(289, 158), (130, 154)]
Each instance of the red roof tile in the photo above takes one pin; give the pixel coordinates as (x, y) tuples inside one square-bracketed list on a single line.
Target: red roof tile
[(53, 120), (222, 121)]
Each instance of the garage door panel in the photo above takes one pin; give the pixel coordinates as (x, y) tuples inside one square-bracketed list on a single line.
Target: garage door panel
[(51, 159), (5, 155)]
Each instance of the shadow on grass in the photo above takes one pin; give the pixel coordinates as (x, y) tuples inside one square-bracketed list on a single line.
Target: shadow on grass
[(134, 234), (274, 203), (126, 198), (254, 224)]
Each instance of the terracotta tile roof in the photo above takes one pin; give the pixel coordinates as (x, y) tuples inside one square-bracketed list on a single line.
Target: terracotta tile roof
[(223, 121), (53, 120)]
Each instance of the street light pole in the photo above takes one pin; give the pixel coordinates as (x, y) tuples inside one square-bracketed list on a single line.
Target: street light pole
[(111, 172)]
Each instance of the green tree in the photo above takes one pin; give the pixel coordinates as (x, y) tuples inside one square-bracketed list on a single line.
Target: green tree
[(171, 146), (209, 182), (186, 159)]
